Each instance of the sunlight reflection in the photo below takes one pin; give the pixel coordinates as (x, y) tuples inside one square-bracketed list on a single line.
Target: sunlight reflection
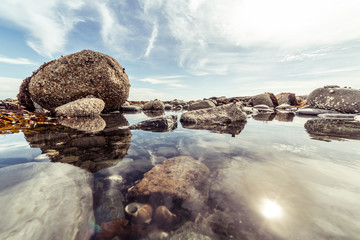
[(271, 209)]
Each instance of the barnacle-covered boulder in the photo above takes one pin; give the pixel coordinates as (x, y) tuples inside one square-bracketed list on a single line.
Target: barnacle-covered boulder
[(76, 76)]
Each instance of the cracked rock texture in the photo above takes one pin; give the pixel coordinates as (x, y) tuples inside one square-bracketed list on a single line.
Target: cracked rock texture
[(76, 76), (345, 100)]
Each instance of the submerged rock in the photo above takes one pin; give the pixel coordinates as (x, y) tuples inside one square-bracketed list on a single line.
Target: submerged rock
[(345, 100), (201, 105), (110, 206), (217, 115), (176, 178), (158, 124), (76, 76), (84, 107), (333, 129), (45, 201)]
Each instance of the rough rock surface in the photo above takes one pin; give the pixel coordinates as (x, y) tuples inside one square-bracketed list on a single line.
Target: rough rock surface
[(76, 76), (268, 99), (24, 95), (201, 105), (217, 115), (287, 98), (158, 124), (156, 105), (344, 100), (84, 107), (89, 125), (180, 178)]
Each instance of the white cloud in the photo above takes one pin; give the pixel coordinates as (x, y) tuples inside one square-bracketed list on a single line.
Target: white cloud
[(145, 94), (152, 39), (22, 61), (164, 80), (9, 87)]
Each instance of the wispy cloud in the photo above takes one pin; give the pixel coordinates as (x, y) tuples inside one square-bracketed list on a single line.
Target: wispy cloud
[(164, 81), (144, 94), (152, 39), (21, 61)]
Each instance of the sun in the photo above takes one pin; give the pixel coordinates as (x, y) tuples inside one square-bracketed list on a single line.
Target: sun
[(271, 209)]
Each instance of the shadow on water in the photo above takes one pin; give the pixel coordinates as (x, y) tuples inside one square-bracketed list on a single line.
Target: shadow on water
[(100, 144)]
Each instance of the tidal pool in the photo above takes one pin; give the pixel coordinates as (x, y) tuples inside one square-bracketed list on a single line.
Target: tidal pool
[(277, 177)]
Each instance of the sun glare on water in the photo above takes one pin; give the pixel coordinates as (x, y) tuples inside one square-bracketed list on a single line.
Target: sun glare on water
[(271, 209)]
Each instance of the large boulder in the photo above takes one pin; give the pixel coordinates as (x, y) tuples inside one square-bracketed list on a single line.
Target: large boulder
[(76, 76), (268, 99), (217, 115), (84, 107), (287, 98), (201, 105), (345, 100)]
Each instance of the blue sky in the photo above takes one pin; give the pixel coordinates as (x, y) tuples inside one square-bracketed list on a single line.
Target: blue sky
[(190, 49)]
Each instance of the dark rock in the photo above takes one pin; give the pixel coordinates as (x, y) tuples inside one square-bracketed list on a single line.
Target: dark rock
[(233, 128), (24, 95), (110, 206), (154, 114), (265, 117), (176, 178), (154, 105), (9, 105), (287, 98), (268, 99), (132, 108), (333, 129), (76, 76), (158, 124), (84, 107), (338, 116), (285, 116), (344, 100), (201, 105), (217, 115), (313, 111), (168, 107)]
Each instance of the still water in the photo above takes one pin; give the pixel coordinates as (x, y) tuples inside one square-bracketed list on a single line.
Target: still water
[(276, 178)]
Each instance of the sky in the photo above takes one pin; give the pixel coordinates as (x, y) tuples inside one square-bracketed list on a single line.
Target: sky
[(190, 49)]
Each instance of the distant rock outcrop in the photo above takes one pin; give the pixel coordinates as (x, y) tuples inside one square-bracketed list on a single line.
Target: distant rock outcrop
[(76, 76), (154, 105), (201, 105), (345, 100), (268, 99)]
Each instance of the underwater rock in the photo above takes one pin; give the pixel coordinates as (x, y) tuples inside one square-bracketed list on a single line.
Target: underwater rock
[(76, 76), (45, 201), (142, 213), (217, 115), (158, 124), (110, 206), (176, 178), (84, 107), (268, 99), (154, 105), (202, 104), (333, 129), (345, 100), (89, 125)]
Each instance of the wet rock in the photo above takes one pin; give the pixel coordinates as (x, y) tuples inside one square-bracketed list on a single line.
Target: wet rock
[(154, 105), (191, 230), (76, 76), (24, 95), (168, 107), (333, 129), (154, 113), (285, 108), (250, 110), (84, 107), (233, 128), (268, 99), (201, 105), (314, 111), (176, 178), (338, 116), (216, 115), (287, 98), (158, 124), (89, 125), (9, 105), (262, 108), (45, 201), (264, 117), (343, 100), (110, 206), (132, 108)]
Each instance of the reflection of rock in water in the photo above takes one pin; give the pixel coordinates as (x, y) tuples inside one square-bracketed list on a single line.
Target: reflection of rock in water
[(154, 113), (90, 125), (233, 128), (264, 116), (331, 129), (92, 152), (285, 117), (45, 201)]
